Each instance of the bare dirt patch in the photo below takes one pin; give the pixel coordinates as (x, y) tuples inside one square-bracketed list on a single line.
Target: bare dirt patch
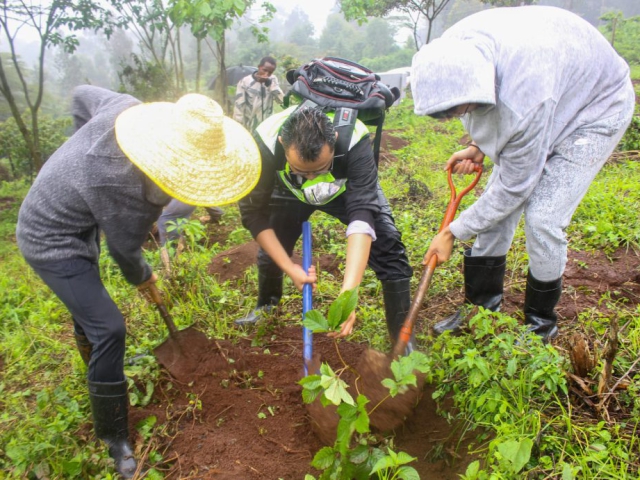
[(388, 144), (233, 263), (252, 423), (241, 416), (587, 278)]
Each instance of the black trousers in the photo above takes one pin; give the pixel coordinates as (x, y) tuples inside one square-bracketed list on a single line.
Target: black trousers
[(388, 257), (77, 284)]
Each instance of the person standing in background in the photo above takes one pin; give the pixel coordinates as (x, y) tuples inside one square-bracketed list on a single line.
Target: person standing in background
[(256, 93)]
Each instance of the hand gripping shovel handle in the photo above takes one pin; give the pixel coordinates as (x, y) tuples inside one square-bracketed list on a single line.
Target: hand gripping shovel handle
[(307, 335), (156, 298), (425, 281)]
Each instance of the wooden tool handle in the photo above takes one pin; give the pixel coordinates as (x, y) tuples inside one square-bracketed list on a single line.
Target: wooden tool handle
[(154, 295), (407, 327)]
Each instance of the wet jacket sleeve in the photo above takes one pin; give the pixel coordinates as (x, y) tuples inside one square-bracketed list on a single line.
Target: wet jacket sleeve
[(276, 91), (520, 165), (254, 208), (126, 221), (361, 195)]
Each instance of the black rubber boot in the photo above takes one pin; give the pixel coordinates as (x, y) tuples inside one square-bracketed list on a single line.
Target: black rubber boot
[(110, 406), (397, 302), (540, 301), (84, 347), (269, 294), (483, 287)]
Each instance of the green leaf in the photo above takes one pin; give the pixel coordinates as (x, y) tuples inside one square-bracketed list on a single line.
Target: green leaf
[(72, 468), (567, 473), (517, 453), (342, 307), (205, 9), (382, 464), (362, 423), (337, 392), (310, 381), (407, 473), (404, 458), (309, 396), (359, 454), (324, 458), (391, 385), (472, 470), (315, 321)]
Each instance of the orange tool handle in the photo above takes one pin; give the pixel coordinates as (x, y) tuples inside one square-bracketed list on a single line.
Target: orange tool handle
[(407, 327)]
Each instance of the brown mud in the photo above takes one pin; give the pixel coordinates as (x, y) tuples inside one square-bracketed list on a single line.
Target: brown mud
[(241, 416)]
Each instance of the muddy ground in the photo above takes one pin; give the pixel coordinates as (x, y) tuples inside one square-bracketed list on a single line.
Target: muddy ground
[(251, 422), (239, 414)]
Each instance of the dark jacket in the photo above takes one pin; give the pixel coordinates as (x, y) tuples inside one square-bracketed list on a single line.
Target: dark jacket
[(89, 185), (360, 198)]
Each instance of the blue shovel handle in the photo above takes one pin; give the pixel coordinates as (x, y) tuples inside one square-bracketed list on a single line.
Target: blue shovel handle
[(307, 335)]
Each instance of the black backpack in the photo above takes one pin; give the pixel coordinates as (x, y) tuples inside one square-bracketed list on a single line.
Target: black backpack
[(349, 89)]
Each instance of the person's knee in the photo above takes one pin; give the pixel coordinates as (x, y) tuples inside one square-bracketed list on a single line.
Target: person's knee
[(540, 223)]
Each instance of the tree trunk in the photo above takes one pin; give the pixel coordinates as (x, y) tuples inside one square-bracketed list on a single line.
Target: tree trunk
[(198, 63), (221, 84)]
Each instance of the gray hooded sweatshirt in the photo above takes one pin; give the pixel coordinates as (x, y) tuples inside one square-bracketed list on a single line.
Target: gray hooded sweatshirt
[(88, 185), (542, 72)]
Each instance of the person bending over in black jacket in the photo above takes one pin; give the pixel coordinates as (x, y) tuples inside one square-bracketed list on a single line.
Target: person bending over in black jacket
[(301, 174)]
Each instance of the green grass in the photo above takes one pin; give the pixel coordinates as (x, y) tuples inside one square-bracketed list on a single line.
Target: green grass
[(44, 407)]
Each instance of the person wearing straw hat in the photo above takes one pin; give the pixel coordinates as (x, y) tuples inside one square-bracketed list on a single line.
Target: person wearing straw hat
[(301, 175), (547, 98), (125, 161)]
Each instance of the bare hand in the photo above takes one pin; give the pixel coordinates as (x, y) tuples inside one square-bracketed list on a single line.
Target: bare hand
[(441, 246), (465, 161), (347, 327), (300, 278), (150, 281)]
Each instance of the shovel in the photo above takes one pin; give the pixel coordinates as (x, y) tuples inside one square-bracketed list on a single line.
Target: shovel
[(307, 335), (180, 353), (374, 366)]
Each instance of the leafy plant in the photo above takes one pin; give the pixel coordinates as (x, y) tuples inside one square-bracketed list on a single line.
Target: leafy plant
[(354, 454)]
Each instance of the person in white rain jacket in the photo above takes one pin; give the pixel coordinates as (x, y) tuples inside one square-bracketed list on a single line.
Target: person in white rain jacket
[(545, 96)]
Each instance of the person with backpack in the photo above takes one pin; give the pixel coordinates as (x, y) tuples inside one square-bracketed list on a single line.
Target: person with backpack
[(125, 161), (545, 96), (256, 93), (302, 173)]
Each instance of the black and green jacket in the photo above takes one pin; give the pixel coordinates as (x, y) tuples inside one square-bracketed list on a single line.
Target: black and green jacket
[(358, 166)]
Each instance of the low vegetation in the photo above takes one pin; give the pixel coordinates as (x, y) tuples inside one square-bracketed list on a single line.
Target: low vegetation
[(511, 392)]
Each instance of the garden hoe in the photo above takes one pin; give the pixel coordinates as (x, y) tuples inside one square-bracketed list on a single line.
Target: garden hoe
[(375, 366), (180, 353)]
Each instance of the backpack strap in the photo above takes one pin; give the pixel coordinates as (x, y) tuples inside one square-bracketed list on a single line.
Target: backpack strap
[(378, 138), (344, 121)]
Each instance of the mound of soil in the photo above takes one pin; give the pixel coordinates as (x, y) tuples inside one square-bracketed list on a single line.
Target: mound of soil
[(241, 415)]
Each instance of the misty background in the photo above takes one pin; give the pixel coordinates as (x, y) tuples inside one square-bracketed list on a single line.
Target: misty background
[(158, 51)]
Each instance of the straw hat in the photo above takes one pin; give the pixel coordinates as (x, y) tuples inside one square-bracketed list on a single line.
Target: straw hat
[(190, 149)]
